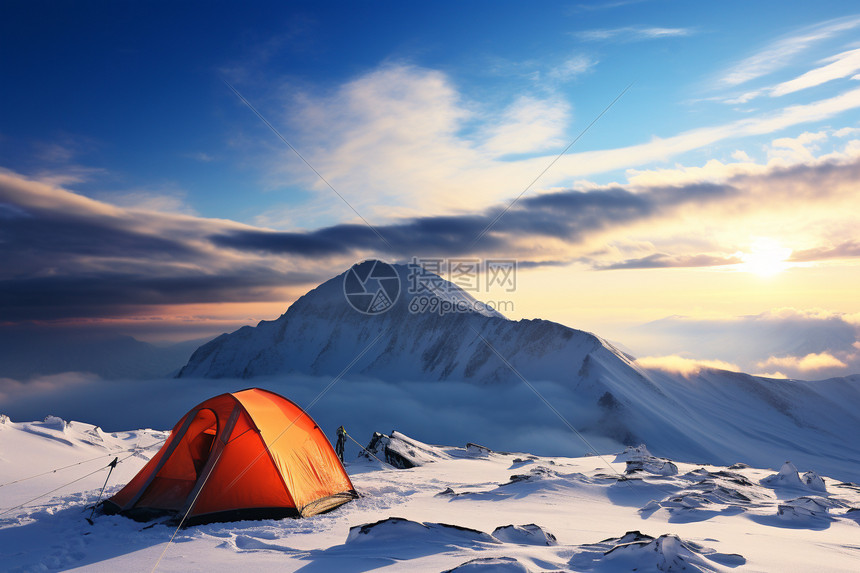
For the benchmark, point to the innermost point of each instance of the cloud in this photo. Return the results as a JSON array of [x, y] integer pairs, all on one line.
[[781, 52], [810, 363], [572, 67], [794, 343], [838, 66], [158, 201], [529, 125], [43, 386], [506, 418], [605, 5], [201, 156], [403, 141], [665, 261], [66, 255], [71, 256], [632, 33], [844, 250], [569, 216], [685, 366], [777, 375], [590, 162], [400, 131]]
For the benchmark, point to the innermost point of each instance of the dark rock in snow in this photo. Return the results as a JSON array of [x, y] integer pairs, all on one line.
[[478, 450], [536, 473], [405, 531], [401, 451], [491, 565], [530, 534], [655, 466], [635, 551]]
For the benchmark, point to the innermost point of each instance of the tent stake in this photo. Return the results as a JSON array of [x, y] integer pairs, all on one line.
[[111, 465]]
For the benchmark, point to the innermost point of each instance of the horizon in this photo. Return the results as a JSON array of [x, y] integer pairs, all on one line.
[[679, 178]]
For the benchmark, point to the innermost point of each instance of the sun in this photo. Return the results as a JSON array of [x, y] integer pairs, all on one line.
[[766, 258]]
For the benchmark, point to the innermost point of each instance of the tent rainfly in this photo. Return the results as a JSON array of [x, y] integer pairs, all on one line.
[[245, 455]]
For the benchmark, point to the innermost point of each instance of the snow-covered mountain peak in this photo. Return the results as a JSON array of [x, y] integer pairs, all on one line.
[[374, 287], [401, 322]]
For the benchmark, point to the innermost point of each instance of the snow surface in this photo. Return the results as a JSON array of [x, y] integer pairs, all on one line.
[[460, 509]]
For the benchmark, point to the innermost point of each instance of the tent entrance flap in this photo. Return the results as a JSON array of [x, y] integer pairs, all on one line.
[[179, 474], [200, 446]]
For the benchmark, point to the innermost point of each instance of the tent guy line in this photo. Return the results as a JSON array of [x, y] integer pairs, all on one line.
[[184, 517], [134, 451]]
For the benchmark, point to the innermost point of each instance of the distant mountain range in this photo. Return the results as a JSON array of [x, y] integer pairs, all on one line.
[[704, 416], [30, 352]]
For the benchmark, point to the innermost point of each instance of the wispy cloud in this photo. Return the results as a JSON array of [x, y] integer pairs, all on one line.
[[786, 342], [201, 156], [164, 200], [529, 125], [845, 250], [632, 33], [402, 140], [667, 261], [838, 66], [780, 53], [812, 362], [599, 6], [572, 67], [547, 73], [685, 366]]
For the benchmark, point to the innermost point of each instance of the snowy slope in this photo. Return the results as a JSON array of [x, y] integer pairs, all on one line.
[[33, 448], [461, 509]]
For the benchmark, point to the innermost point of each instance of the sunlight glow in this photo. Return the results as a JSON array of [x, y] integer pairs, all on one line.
[[766, 258]]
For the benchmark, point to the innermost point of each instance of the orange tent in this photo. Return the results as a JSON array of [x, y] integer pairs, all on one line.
[[246, 455]]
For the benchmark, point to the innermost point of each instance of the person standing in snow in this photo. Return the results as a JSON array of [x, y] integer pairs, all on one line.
[[341, 442]]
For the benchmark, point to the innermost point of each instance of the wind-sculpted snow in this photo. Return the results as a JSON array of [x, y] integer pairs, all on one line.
[[789, 477], [635, 551]]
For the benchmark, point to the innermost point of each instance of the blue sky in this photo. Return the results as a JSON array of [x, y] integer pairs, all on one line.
[[133, 92], [728, 166]]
